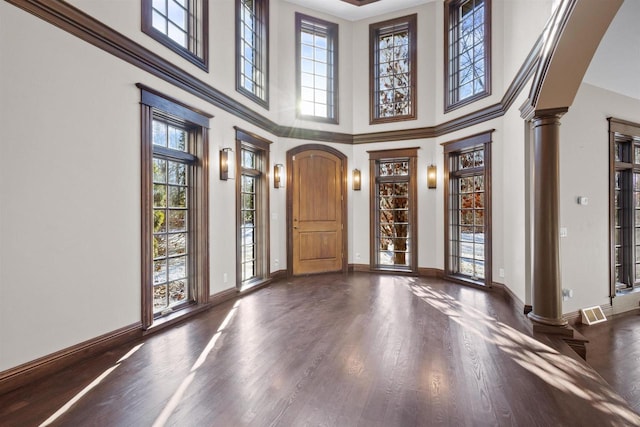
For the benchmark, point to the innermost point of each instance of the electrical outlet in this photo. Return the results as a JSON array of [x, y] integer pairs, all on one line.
[[563, 232], [501, 272], [225, 278]]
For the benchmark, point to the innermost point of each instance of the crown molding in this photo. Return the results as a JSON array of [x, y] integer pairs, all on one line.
[[87, 28]]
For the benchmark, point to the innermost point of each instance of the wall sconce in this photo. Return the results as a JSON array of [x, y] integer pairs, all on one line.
[[356, 179], [278, 176], [432, 176], [227, 164]]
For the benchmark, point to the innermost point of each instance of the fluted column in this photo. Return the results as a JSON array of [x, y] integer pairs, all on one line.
[[546, 283]]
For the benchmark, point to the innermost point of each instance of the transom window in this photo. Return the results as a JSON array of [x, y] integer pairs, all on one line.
[[625, 205], [174, 206], [317, 68], [252, 209], [252, 49], [393, 68], [467, 37], [393, 209], [181, 25], [468, 203]]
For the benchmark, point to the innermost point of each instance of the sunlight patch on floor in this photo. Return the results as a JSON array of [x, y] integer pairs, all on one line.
[[176, 398], [557, 370], [88, 388]]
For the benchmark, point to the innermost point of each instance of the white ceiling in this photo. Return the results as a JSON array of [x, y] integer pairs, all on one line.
[[351, 12], [616, 64]]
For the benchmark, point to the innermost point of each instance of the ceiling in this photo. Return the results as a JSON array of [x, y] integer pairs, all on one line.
[[350, 12], [616, 64]]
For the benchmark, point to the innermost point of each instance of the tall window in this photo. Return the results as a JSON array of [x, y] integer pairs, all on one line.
[[394, 201], [317, 68], [252, 209], [174, 206], [393, 65], [180, 25], [625, 205], [468, 52], [252, 45], [468, 208]]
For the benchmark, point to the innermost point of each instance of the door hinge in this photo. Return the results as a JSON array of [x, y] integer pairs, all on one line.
[[341, 226]]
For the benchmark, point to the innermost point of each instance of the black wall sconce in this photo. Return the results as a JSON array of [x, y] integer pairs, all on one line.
[[432, 176], [278, 176], [356, 182], [227, 164]]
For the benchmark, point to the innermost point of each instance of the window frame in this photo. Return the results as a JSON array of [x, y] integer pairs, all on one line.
[[452, 99], [454, 148], [201, 39], [628, 133], [261, 8], [257, 144], [374, 34], [156, 105], [332, 33], [375, 157]]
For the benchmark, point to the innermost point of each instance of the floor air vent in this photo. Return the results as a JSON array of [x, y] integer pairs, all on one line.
[[592, 315]]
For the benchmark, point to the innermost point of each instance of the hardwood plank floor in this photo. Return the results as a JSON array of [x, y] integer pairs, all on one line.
[[332, 350], [614, 352]]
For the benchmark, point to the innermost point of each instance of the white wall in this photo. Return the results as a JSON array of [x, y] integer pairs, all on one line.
[[69, 179], [70, 186], [584, 166]]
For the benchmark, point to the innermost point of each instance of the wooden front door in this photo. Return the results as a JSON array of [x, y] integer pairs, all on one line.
[[316, 216]]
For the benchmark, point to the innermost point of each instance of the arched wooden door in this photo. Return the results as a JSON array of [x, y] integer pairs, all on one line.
[[316, 210]]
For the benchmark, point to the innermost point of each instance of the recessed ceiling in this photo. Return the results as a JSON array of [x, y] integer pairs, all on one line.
[[360, 2], [345, 9]]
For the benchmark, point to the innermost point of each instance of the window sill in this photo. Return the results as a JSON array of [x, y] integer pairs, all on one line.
[[178, 316], [627, 291], [393, 270], [465, 280], [254, 285]]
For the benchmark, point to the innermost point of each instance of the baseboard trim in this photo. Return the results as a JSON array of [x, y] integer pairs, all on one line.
[[26, 373], [431, 272], [516, 303], [279, 275], [17, 377], [360, 268], [223, 296]]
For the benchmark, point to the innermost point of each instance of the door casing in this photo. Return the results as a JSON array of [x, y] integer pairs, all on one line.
[[290, 192]]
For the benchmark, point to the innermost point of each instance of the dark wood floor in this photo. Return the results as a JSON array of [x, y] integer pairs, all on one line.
[[614, 352], [332, 350]]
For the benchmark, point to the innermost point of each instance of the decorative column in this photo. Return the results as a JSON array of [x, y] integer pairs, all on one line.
[[546, 283]]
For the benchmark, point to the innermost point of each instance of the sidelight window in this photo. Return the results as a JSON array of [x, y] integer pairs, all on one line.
[[252, 210], [625, 205], [394, 201], [172, 170], [174, 207], [468, 203]]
